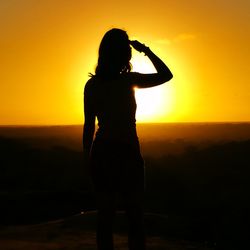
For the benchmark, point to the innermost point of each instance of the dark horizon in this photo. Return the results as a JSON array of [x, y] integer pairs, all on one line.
[[197, 175]]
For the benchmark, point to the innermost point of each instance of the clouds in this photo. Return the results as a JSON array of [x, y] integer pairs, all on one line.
[[182, 37]]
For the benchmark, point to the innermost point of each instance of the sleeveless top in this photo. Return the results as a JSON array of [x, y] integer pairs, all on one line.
[[113, 102]]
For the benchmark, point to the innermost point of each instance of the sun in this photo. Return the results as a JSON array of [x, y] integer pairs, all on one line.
[[153, 104]]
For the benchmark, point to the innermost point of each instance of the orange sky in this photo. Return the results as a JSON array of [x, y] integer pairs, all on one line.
[[49, 46]]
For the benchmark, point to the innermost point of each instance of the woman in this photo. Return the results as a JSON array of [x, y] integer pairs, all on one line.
[[116, 164]]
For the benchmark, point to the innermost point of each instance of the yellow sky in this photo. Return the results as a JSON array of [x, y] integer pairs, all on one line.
[[49, 46]]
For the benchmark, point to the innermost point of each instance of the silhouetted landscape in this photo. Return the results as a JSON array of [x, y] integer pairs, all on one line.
[[197, 180]]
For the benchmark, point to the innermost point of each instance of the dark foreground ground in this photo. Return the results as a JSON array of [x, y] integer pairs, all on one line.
[[197, 189], [78, 233]]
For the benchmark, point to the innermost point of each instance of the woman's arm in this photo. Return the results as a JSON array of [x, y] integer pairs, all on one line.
[[150, 80], [89, 121]]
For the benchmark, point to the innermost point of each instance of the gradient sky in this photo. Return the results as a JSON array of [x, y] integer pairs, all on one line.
[[49, 46]]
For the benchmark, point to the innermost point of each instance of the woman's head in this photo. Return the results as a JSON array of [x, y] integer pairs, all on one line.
[[114, 54]]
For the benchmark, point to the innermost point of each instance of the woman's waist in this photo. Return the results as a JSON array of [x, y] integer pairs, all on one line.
[[126, 138], [116, 146], [117, 132], [117, 136]]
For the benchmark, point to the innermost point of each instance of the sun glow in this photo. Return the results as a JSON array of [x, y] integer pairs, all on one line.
[[153, 104]]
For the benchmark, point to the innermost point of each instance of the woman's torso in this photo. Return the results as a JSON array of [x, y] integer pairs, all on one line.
[[114, 104]]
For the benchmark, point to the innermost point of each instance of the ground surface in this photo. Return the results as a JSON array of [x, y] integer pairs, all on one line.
[[78, 233]]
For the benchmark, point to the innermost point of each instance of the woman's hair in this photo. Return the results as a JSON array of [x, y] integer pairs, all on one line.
[[114, 54]]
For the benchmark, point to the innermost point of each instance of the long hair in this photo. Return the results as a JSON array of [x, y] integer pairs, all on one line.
[[114, 54]]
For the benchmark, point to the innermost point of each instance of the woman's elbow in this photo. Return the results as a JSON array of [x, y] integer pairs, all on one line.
[[170, 76], [167, 77]]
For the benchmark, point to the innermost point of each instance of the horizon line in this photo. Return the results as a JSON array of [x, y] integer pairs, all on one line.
[[138, 123]]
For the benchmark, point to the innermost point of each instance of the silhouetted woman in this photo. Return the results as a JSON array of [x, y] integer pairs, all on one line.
[[116, 164]]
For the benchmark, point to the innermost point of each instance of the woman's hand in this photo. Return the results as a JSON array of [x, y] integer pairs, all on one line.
[[139, 46]]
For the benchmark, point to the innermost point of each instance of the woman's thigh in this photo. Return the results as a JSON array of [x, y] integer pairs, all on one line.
[[117, 167]]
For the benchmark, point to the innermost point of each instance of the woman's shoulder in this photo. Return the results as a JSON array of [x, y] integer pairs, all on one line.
[[92, 82], [90, 86], [131, 77], [96, 82]]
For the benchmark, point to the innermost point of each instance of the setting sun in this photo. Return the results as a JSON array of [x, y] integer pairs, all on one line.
[[153, 104]]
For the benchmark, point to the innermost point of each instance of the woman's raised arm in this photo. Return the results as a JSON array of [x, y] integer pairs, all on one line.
[[150, 80]]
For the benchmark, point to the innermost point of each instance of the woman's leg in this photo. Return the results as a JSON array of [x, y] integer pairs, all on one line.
[[105, 216], [101, 172], [134, 210]]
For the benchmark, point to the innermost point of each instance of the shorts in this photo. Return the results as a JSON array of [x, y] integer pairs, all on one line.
[[117, 167]]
